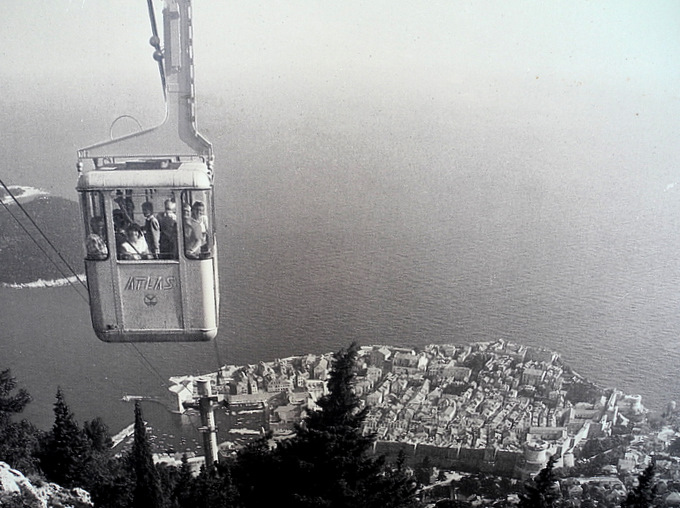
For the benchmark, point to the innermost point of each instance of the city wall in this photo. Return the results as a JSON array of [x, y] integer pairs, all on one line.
[[473, 460]]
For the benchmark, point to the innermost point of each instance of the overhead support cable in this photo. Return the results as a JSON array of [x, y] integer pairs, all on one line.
[[66, 276], [155, 41], [149, 365], [145, 361]]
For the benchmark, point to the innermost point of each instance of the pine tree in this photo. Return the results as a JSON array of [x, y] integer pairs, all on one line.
[[11, 404], [541, 492], [75, 457], [423, 472], [259, 475], [115, 486], [65, 448], [184, 480], [147, 491], [98, 435], [327, 463], [18, 440], [395, 487], [642, 496], [329, 449], [213, 488], [104, 476]]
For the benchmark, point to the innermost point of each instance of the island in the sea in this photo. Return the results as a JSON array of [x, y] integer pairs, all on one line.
[[493, 407], [32, 257]]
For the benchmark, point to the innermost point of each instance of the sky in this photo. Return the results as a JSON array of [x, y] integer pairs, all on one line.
[[573, 62], [388, 43]]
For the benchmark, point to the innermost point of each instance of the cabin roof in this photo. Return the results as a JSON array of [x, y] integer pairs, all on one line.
[[184, 175]]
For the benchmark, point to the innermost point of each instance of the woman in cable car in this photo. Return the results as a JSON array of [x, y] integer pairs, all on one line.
[[151, 275]]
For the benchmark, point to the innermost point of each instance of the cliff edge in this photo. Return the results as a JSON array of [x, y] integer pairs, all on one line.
[[17, 490]]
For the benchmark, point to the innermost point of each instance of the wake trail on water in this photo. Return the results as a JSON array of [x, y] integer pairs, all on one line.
[[41, 283], [25, 193]]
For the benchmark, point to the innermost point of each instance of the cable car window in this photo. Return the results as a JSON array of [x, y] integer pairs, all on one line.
[[145, 224], [197, 221], [96, 239]]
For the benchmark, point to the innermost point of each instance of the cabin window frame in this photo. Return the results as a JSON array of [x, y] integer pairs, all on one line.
[[97, 245]]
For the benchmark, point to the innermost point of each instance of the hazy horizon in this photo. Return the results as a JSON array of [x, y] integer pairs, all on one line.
[[606, 71], [386, 170]]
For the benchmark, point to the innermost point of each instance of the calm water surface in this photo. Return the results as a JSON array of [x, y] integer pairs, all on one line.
[[445, 228]]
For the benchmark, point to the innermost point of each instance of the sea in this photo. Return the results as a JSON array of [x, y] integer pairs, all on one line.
[[439, 221]]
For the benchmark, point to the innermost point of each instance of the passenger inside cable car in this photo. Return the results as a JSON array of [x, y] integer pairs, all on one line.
[[137, 294], [152, 276], [167, 222], [196, 231], [152, 229], [134, 248], [149, 237], [95, 243]]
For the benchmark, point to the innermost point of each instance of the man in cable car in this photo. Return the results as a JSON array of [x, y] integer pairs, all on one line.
[[167, 222], [152, 229], [192, 232], [198, 214]]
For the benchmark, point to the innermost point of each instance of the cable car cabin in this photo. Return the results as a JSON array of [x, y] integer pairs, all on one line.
[[150, 251]]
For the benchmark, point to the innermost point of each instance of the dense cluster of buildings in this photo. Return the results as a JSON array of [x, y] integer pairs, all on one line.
[[495, 407]]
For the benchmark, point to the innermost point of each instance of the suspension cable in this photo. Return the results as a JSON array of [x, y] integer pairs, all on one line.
[[145, 361], [156, 43], [49, 242], [42, 249], [149, 364]]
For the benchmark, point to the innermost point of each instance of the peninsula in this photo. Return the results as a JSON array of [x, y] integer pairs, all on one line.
[[494, 407]]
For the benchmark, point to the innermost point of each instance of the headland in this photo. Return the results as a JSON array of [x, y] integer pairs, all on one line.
[[495, 407]]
